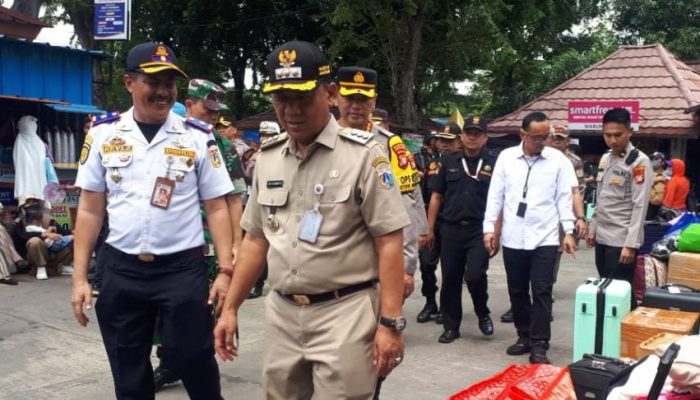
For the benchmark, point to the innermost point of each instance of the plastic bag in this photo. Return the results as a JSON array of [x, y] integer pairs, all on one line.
[[664, 247], [689, 241], [683, 222]]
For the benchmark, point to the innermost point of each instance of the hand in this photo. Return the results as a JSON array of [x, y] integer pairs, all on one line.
[[388, 347], [51, 229], [582, 228], [217, 293], [491, 243], [627, 255], [81, 296], [423, 241], [428, 241], [409, 284], [224, 341], [590, 241], [570, 244]]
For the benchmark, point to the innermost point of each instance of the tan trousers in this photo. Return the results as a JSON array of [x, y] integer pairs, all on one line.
[[39, 255], [7, 246], [321, 351]]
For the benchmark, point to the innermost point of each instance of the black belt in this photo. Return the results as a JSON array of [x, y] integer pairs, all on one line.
[[308, 299], [152, 258], [466, 222]]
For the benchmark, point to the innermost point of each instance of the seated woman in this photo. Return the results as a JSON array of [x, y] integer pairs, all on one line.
[[38, 241]]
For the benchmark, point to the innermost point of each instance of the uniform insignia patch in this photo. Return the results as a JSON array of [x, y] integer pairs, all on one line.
[[199, 124], [334, 174], [400, 150], [180, 152], [85, 150], [386, 177], [638, 173], [102, 119], [379, 160], [616, 180]]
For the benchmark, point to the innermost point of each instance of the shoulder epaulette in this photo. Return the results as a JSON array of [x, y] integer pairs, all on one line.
[[384, 131], [199, 124], [104, 118], [356, 135], [274, 141]]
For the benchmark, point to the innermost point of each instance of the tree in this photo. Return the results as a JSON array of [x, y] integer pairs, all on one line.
[[673, 23]]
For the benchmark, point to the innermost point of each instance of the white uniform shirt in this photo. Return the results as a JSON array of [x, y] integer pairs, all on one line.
[[548, 198], [135, 226]]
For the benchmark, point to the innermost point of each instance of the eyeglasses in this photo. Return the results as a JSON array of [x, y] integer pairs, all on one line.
[[536, 139]]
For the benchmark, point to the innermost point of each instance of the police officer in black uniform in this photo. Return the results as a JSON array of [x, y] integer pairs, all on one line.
[[462, 185]]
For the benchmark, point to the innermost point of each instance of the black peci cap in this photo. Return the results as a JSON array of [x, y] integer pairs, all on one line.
[[296, 65], [151, 58]]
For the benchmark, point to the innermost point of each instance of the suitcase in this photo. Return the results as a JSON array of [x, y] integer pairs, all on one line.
[[649, 272], [644, 323], [672, 297], [684, 269], [593, 375], [653, 232], [600, 306]]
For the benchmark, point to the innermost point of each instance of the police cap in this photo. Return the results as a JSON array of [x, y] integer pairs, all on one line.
[[357, 80], [475, 122], [296, 65], [151, 58], [449, 131]]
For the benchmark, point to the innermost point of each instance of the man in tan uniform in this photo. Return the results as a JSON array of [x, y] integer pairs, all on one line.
[[624, 182], [327, 213], [356, 102]]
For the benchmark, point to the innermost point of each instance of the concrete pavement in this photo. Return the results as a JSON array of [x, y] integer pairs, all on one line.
[[45, 354]]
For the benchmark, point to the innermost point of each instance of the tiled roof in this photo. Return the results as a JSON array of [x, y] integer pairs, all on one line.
[[7, 14], [664, 86]]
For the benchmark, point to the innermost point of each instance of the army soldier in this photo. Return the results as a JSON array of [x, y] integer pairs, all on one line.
[[327, 213], [462, 186], [153, 260], [624, 182], [358, 97]]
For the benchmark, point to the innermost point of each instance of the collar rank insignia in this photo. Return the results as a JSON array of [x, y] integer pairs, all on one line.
[[199, 124], [356, 135], [273, 141], [103, 119]]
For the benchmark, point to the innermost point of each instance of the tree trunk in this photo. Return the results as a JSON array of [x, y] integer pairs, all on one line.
[[29, 7]]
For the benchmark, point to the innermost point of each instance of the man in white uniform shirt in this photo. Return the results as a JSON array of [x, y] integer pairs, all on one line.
[[530, 186]]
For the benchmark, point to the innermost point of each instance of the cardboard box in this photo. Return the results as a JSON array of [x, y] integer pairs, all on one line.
[[649, 346], [684, 269], [644, 323]]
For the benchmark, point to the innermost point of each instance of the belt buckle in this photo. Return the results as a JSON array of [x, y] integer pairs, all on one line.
[[301, 299], [146, 258]]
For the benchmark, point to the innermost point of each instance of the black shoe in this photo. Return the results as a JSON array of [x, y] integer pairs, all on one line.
[[507, 316], [22, 266], [448, 336], [486, 325], [255, 293], [427, 313], [522, 346], [439, 318], [538, 354], [162, 377]]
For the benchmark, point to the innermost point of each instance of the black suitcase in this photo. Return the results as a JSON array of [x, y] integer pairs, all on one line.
[[672, 297], [593, 375]]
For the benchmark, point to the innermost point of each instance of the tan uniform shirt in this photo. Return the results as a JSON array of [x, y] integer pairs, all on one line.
[[360, 201], [578, 169], [623, 199]]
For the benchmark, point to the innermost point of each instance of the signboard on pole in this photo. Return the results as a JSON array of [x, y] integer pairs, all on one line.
[[112, 19], [588, 115]]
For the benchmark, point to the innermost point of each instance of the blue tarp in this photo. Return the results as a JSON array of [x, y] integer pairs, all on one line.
[[77, 108]]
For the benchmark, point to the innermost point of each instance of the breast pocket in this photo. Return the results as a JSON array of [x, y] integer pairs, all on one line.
[[275, 210], [335, 205], [120, 176]]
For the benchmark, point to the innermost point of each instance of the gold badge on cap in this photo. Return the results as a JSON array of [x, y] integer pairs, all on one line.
[[162, 53], [287, 58], [447, 129], [359, 77], [476, 120]]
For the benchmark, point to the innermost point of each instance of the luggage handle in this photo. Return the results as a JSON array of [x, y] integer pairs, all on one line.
[[665, 363]]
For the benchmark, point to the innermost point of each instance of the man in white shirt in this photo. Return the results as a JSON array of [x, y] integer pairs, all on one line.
[[530, 188]]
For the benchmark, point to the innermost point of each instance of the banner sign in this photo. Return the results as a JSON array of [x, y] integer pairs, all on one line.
[[588, 115], [64, 212], [112, 19]]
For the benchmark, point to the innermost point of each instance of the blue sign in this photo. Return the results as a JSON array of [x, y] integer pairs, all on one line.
[[112, 19]]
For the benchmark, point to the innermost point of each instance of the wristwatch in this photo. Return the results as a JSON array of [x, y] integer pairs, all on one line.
[[398, 324]]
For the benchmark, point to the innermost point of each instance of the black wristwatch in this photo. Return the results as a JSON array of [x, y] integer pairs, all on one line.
[[398, 324]]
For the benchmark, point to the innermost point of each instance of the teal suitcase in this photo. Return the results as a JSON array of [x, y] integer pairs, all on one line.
[[601, 304]]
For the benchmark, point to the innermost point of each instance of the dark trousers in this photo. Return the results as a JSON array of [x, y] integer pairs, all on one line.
[[429, 259], [526, 270], [132, 293], [463, 257], [607, 262], [263, 277]]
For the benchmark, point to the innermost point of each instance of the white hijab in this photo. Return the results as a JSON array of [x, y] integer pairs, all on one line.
[[29, 155]]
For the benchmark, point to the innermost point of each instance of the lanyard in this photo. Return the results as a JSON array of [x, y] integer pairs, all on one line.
[[478, 169], [527, 178]]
